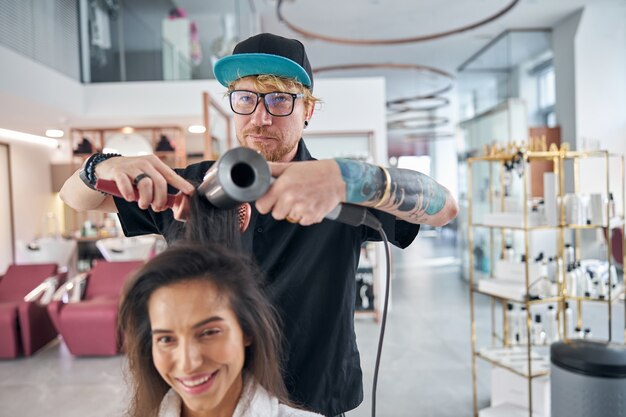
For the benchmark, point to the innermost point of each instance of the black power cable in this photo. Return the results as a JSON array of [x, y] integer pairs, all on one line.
[[383, 321], [355, 216]]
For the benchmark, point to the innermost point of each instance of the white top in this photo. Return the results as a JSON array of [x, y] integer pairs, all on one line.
[[255, 401]]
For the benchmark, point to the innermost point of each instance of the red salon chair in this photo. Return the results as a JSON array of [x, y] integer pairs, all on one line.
[[89, 326], [25, 326]]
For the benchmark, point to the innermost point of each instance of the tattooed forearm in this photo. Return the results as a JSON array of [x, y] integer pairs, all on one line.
[[416, 194], [412, 195], [364, 182]]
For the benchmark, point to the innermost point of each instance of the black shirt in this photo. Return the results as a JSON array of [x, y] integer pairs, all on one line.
[[311, 281]]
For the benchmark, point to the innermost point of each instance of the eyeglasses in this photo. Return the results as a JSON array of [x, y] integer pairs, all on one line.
[[279, 104]]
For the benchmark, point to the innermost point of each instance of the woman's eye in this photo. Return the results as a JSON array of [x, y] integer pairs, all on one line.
[[209, 332], [164, 340]]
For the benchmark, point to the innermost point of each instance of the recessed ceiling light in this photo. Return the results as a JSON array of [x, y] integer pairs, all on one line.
[[196, 129], [54, 133], [127, 130]]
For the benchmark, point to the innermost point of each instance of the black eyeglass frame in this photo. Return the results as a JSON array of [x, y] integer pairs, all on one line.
[[260, 96]]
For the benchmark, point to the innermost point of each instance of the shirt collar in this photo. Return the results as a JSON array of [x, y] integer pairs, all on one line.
[[302, 154]]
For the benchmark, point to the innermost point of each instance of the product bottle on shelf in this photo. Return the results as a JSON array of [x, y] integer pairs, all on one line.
[[611, 204], [571, 282], [578, 333], [521, 326], [512, 323], [509, 253], [538, 333], [595, 289], [569, 318], [586, 282], [613, 275], [543, 285], [551, 326], [569, 254], [587, 333], [554, 270], [602, 288]]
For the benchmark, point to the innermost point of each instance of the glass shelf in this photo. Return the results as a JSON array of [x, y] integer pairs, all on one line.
[[516, 299], [542, 227], [538, 155], [614, 298], [515, 359]]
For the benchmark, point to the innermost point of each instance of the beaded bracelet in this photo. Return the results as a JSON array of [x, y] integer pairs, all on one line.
[[88, 172], [387, 187]]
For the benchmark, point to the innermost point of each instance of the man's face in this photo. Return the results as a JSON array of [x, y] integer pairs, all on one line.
[[276, 138]]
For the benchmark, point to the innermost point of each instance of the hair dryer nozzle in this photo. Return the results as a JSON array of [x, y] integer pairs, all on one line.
[[240, 175]]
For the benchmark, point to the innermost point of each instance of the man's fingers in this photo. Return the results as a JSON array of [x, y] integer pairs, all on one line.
[[173, 178], [277, 168], [146, 193], [125, 186], [181, 207], [267, 202]]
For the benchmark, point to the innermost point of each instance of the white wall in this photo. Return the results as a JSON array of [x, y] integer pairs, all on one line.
[[590, 67], [563, 36], [146, 100], [601, 75], [30, 183], [601, 86], [352, 105], [6, 236], [29, 80]]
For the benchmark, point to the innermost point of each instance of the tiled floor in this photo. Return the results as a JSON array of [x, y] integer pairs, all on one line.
[[425, 368]]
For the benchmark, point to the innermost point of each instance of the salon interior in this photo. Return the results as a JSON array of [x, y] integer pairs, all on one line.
[[518, 107]]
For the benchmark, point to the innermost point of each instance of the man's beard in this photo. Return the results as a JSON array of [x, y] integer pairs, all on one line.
[[269, 150]]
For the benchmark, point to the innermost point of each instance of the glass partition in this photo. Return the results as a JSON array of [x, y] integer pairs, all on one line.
[[144, 40]]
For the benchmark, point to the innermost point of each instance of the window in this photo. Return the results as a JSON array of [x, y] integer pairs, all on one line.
[[546, 93], [547, 96]]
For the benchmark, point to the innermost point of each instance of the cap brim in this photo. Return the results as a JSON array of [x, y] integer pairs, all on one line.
[[233, 67]]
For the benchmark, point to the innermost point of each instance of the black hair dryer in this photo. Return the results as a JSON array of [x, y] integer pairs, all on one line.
[[241, 175]]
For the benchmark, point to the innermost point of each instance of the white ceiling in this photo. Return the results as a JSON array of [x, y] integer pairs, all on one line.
[[387, 19]]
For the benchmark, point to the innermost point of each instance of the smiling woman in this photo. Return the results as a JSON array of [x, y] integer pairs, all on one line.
[[201, 338]]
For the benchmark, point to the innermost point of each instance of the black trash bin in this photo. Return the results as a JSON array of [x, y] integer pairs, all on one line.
[[588, 379]]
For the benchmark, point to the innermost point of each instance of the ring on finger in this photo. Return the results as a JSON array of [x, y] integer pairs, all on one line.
[[291, 219], [139, 178]]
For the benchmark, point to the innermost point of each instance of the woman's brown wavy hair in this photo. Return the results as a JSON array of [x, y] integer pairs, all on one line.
[[208, 253]]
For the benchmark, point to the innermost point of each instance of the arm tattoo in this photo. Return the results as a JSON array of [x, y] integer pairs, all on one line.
[[416, 195], [364, 182]]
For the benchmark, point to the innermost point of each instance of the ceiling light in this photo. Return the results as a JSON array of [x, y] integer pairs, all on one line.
[[54, 133], [196, 129], [27, 137], [127, 130]]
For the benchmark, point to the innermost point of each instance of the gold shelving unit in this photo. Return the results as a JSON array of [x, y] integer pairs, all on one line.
[[535, 365]]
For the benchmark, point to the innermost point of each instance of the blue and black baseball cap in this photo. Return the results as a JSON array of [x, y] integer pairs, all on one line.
[[266, 54]]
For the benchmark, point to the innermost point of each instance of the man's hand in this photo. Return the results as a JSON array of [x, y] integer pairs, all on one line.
[[152, 189], [123, 170], [303, 192]]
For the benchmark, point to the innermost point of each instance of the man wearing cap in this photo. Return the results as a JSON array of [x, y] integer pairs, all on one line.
[[311, 270]]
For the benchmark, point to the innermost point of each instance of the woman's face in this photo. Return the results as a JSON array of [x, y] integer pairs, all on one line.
[[198, 346]]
